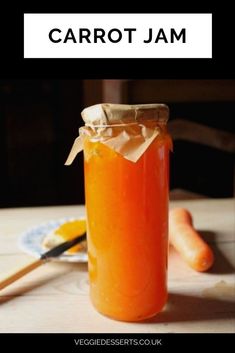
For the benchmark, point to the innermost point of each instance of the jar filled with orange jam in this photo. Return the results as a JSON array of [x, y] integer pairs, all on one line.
[[126, 164]]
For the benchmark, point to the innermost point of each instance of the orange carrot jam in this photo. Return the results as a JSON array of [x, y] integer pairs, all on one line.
[[127, 221]]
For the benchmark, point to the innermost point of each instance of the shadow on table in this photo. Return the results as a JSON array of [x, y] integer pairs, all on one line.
[[181, 308], [221, 265]]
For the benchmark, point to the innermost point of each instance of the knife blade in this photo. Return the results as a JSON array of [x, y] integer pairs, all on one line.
[[61, 248]]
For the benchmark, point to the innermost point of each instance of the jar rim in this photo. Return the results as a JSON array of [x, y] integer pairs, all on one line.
[[125, 124], [106, 114]]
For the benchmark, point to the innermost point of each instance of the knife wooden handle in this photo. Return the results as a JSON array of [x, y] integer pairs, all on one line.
[[12, 276]]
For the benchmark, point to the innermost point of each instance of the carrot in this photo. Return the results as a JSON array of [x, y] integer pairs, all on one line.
[[188, 242]]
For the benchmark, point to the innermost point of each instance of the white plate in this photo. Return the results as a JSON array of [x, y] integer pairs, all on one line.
[[31, 241]]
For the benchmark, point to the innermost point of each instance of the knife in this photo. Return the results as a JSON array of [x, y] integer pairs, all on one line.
[[16, 274]]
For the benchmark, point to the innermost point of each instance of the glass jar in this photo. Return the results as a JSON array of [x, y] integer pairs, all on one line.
[[127, 215]]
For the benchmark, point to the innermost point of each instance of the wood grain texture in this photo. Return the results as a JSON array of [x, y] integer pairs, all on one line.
[[54, 297]]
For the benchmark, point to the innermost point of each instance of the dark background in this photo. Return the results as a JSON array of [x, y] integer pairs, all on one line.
[[39, 120]]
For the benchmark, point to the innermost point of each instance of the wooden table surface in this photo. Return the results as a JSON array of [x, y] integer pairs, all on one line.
[[54, 297]]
